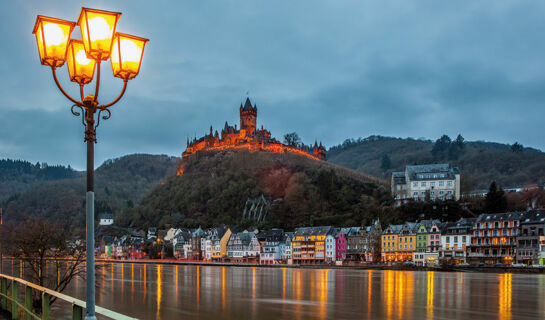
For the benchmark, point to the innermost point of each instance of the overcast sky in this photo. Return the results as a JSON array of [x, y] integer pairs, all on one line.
[[329, 70]]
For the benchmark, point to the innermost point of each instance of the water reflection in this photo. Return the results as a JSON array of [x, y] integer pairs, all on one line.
[[505, 296], [201, 292], [429, 303], [159, 293]]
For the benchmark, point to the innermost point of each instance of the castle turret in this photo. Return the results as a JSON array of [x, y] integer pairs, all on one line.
[[248, 117]]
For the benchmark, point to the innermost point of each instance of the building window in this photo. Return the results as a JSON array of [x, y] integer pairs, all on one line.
[[415, 184], [423, 184], [441, 183], [432, 184], [449, 183]]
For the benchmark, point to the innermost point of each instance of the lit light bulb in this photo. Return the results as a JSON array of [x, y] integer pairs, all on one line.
[[99, 28], [81, 58], [54, 35]]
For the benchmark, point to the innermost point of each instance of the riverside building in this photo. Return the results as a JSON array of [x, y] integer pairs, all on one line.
[[426, 182]]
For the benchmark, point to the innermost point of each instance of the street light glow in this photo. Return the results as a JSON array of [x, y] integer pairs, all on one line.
[[80, 68], [127, 54], [97, 31], [52, 37]]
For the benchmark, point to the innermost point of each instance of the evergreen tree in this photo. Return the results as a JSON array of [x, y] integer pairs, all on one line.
[[442, 144], [460, 141], [495, 201], [386, 163], [517, 147]]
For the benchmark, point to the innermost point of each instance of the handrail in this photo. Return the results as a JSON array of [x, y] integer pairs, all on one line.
[[74, 301]]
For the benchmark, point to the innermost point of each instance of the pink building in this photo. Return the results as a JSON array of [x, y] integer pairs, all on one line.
[[434, 237], [340, 246]]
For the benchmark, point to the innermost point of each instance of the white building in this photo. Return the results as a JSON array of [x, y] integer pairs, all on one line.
[[429, 181], [243, 245], [426, 259], [106, 219], [330, 244], [455, 239]]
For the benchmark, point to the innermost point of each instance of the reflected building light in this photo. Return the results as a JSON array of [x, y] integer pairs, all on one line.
[[176, 282], [505, 296], [369, 292], [159, 293], [284, 283], [389, 293], [145, 282], [429, 304], [323, 293], [122, 277], [223, 289], [198, 286]]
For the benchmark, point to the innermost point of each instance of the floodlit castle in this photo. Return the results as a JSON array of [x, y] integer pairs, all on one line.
[[249, 137]]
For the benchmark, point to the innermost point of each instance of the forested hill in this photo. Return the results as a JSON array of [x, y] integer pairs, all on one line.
[[216, 185], [480, 162], [17, 176], [119, 183]]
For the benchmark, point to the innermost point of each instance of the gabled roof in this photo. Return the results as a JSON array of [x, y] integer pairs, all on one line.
[[444, 168], [273, 235], [485, 217], [313, 231]]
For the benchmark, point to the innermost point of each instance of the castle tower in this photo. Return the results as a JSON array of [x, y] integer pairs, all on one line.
[[248, 117]]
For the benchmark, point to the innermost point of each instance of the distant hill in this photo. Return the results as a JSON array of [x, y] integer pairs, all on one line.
[[480, 162], [215, 186], [17, 176], [119, 183]]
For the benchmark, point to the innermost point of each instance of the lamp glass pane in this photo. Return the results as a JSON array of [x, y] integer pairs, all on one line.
[[126, 56], [97, 31], [80, 68], [52, 37]]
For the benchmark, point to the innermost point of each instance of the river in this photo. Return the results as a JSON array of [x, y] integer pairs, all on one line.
[[213, 292]]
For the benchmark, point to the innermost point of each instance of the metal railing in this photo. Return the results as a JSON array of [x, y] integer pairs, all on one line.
[[10, 302]]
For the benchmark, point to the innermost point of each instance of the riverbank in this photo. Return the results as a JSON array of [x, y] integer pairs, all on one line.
[[486, 269]]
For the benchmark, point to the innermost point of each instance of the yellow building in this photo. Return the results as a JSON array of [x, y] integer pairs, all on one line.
[[219, 246], [399, 242], [309, 244], [406, 244], [389, 243]]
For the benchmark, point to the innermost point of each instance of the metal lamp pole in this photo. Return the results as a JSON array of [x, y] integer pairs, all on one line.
[[100, 42]]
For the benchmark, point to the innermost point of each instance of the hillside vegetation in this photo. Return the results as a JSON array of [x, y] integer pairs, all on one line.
[[119, 183], [17, 176], [480, 162], [215, 186]]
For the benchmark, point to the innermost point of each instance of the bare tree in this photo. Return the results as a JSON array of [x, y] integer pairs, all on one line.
[[49, 258]]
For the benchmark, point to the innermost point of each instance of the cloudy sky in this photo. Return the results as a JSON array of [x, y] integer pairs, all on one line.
[[329, 70]]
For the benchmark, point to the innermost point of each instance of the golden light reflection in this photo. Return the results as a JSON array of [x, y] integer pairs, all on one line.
[[389, 292], [22, 268], [222, 288], [159, 287], [369, 292], [253, 292], [399, 293], [323, 293], [429, 304], [132, 282], [122, 278], [505, 296], [176, 281], [284, 283], [112, 274], [198, 285], [145, 281]]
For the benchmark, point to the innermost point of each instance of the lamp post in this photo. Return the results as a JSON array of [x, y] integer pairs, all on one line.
[[99, 42]]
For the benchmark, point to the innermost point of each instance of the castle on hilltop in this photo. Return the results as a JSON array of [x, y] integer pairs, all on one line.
[[249, 137]]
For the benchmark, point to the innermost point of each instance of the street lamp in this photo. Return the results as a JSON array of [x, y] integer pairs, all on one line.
[[99, 42]]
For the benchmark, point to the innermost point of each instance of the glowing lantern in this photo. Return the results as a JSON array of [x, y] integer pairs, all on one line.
[[52, 36], [80, 68], [97, 31], [126, 56]]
